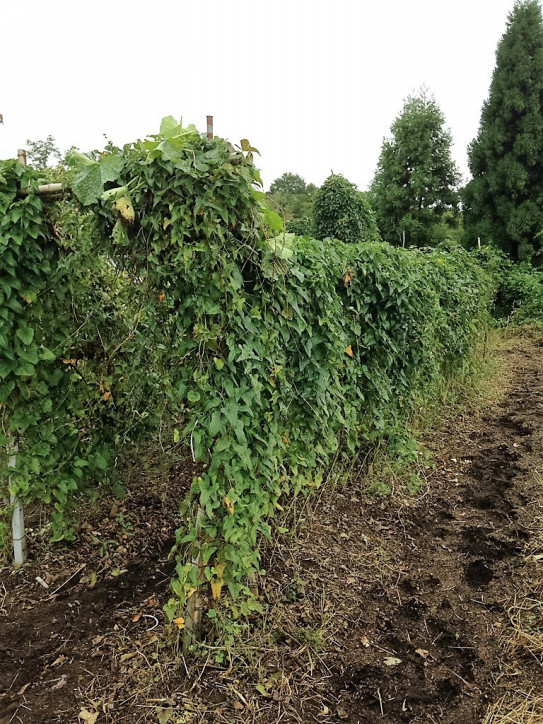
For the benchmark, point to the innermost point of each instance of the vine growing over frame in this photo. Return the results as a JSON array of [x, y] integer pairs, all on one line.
[[268, 355]]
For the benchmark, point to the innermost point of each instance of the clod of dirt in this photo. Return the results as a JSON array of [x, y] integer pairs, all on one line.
[[479, 574]]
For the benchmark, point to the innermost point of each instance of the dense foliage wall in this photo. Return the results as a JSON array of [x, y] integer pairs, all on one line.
[[43, 399], [273, 355], [67, 320], [519, 287]]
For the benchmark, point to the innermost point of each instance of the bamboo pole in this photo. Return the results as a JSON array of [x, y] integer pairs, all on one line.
[[44, 188]]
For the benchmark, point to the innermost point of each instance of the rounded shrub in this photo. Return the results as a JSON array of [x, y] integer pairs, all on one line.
[[301, 226], [341, 212]]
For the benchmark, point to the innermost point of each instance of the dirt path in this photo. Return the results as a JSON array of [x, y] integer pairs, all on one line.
[[444, 571], [378, 612]]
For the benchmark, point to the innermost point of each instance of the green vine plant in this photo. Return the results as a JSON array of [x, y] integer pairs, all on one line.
[[45, 403], [66, 322], [272, 354]]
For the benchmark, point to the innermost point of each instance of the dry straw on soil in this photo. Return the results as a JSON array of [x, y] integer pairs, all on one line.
[[520, 708]]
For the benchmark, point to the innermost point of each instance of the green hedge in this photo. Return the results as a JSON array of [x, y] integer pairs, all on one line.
[[67, 319], [268, 356], [519, 287], [335, 352]]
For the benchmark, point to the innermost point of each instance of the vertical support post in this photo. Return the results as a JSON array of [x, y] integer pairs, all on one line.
[[17, 520], [478, 242], [195, 604], [403, 238], [210, 126]]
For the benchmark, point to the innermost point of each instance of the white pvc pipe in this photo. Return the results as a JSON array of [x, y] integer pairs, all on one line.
[[18, 519], [43, 190]]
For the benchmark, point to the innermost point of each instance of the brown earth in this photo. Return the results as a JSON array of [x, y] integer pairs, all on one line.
[[379, 610]]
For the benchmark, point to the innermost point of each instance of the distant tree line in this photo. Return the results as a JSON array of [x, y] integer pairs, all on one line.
[[416, 197]]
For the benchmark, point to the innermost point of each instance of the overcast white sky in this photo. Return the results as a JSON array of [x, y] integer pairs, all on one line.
[[314, 84]]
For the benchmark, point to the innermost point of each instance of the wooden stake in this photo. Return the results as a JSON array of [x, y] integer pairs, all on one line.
[[478, 242], [252, 580], [195, 604]]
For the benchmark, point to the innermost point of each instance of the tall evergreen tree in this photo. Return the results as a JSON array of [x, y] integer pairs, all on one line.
[[504, 201], [414, 189]]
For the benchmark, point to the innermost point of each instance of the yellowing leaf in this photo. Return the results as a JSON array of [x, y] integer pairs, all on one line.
[[348, 278], [89, 717], [90, 579], [349, 351], [216, 586], [230, 505], [60, 660], [119, 571], [106, 395], [392, 661], [422, 652], [179, 622], [164, 715], [219, 569], [125, 208]]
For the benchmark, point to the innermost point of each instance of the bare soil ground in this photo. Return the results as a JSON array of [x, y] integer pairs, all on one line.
[[413, 609]]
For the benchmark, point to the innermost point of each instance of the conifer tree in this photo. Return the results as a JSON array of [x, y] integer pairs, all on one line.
[[414, 189], [504, 201]]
